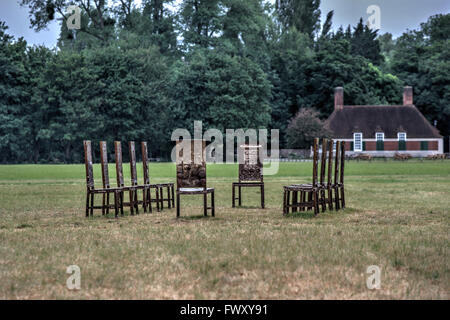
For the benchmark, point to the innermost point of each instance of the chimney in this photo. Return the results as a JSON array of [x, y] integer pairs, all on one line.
[[407, 96], [338, 98]]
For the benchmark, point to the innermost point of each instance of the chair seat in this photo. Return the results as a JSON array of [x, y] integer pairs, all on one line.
[[165, 184], [299, 187], [195, 190]]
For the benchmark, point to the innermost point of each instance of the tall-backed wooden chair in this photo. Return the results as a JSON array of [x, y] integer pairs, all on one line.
[[341, 180], [329, 185], [250, 173], [147, 186], [311, 189], [168, 186], [132, 190], [134, 180], [335, 185], [323, 165], [106, 190], [191, 174]]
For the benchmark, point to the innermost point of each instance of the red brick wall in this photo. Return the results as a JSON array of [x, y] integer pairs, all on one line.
[[433, 145], [393, 145], [390, 145], [371, 146], [413, 145]]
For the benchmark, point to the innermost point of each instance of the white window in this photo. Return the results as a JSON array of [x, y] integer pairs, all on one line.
[[357, 141], [379, 136], [401, 136]]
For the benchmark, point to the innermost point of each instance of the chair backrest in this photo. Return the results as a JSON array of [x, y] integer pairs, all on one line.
[[144, 152], [330, 162], [104, 164], [323, 162], [132, 150], [191, 174], [88, 164], [251, 168], [342, 161], [336, 162], [119, 166], [315, 161]]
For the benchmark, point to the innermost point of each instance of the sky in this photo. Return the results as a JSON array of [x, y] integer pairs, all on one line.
[[395, 16]]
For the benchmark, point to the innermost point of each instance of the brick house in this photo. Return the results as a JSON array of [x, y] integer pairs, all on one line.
[[384, 130]]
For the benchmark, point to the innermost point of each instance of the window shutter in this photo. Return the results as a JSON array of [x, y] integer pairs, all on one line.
[[351, 146], [424, 145], [363, 146], [380, 145], [402, 145]]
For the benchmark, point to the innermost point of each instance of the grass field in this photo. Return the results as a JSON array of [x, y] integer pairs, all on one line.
[[398, 218]]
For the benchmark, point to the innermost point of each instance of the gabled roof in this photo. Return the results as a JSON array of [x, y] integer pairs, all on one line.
[[346, 120]]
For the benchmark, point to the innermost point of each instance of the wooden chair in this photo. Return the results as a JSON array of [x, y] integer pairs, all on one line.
[[250, 173], [311, 189], [340, 185], [191, 176], [106, 190], [335, 185], [132, 190], [329, 186], [147, 186], [170, 187]]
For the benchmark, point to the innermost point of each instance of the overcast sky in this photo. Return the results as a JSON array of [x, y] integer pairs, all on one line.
[[396, 16]]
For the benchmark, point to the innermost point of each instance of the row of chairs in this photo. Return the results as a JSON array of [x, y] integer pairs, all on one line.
[[118, 192], [320, 193]]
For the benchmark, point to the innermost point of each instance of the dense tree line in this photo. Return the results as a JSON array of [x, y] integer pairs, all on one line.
[[138, 72]]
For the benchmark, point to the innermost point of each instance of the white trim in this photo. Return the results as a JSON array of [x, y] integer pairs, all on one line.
[[360, 141], [401, 133], [377, 133], [390, 139]]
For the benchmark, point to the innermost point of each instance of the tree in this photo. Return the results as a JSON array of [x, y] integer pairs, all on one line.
[[201, 22], [365, 44], [223, 91], [304, 127], [13, 81], [420, 59], [303, 15]]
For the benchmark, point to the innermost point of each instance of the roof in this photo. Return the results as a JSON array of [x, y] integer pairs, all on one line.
[[346, 120]]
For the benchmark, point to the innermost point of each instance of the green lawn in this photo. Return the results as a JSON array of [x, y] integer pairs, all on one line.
[[398, 218]]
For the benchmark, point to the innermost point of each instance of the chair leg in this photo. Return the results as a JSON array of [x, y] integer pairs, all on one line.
[[233, 196], [121, 202], [316, 202], [116, 204], [136, 201], [161, 197], [294, 201], [131, 202], [103, 204], [157, 199], [322, 200], [87, 204], [262, 196], [173, 196], [92, 204], [288, 201], [336, 198], [330, 199], [240, 196], [213, 208], [310, 199], [107, 203], [144, 199], [205, 204], [169, 204], [342, 197], [178, 205], [149, 200]]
